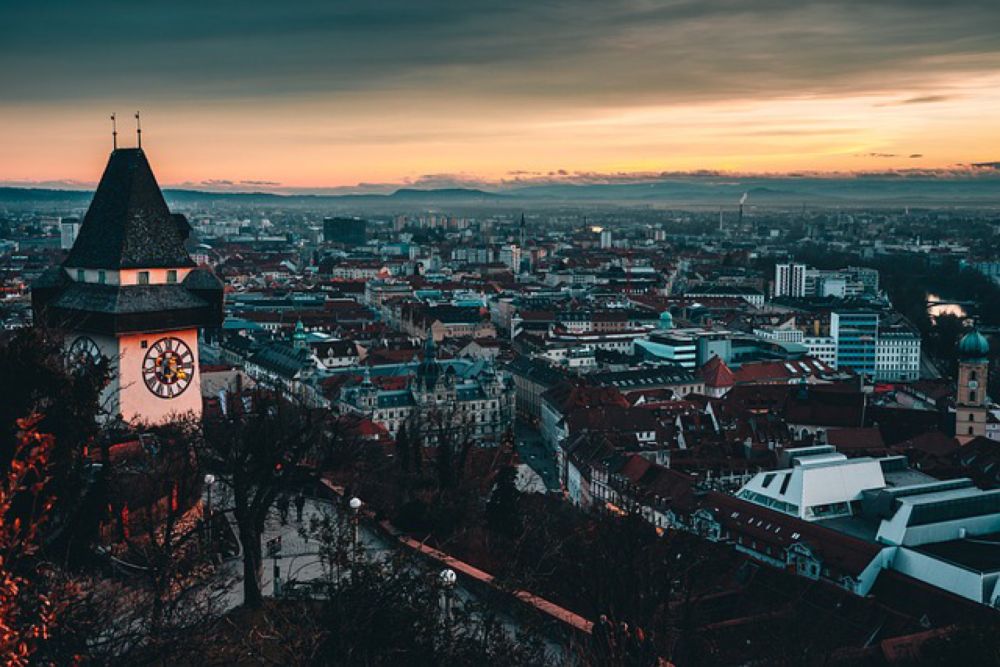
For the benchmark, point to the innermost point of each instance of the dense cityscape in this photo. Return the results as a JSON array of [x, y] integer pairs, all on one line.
[[568, 334], [592, 416]]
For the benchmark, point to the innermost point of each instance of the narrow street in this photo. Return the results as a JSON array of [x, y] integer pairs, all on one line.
[[533, 452]]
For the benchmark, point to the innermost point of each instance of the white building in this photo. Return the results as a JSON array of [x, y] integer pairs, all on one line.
[[790, 280], [897, 355], [68, 230], [823, 348], [889, 516], [780, 334]]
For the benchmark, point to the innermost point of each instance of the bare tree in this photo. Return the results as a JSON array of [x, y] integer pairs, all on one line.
[[261, 446], [163, 554]]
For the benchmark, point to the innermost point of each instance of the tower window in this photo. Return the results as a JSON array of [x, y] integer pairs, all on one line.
[[972, 418], [80, 275], [172, 276], [143, 278], [972, 375], [970, 430], [972, 396]]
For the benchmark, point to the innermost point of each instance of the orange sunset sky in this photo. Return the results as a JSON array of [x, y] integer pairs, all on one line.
[[328, 95]]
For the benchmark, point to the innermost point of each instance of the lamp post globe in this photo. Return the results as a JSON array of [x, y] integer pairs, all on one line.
[[209, 483], [447, 578], [355, 504]]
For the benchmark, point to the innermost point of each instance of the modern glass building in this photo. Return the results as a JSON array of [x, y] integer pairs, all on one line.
[[856, 335]]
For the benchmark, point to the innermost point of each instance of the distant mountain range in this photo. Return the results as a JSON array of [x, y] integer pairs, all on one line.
[[719, 191]]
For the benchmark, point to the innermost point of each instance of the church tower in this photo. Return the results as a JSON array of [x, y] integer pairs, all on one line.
[[128, 290], [971, 402]]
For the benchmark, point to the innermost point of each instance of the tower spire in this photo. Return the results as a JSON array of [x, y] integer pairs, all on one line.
[[114, 132], [138, 129]]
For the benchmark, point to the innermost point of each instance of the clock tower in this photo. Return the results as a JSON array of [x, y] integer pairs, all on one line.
[[971, 401], [128, 290]]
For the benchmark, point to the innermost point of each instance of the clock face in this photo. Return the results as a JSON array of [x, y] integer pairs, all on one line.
[[83, 352], [168, 367]]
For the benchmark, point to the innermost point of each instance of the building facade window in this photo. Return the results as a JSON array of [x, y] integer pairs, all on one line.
[[172, 276], [102, 277], [143, 278]]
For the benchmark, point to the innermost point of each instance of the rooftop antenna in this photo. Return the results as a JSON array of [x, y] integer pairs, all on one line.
[[114, 132], [138, 129]]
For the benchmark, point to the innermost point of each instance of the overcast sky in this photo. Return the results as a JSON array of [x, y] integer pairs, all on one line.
[[316, 94]]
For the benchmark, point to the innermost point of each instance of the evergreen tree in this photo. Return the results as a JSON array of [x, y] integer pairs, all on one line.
[[445, 465], [403, 447], [502, 512]]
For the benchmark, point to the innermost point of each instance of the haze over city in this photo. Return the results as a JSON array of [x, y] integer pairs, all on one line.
[[320, 96]]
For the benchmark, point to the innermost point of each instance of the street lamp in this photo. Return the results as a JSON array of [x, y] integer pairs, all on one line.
[[355, 505], [209, 483], [448, 579]]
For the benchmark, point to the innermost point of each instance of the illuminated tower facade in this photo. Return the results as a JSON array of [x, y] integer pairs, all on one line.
[[129, 291]]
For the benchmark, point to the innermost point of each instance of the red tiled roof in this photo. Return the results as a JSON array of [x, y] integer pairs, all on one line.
[[716, 373], [846, 439], [843, 552], [635, 467], [780, 370], [934, 443]]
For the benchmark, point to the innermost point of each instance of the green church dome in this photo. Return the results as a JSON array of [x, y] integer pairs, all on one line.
[[973, 346]]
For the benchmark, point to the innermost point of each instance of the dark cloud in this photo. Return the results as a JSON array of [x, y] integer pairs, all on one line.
[[891, 155], [926, 99], [987, 165], [592, 51], [918, 99]]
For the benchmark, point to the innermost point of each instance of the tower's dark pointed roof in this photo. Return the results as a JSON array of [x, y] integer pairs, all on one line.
[[128, 224]]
